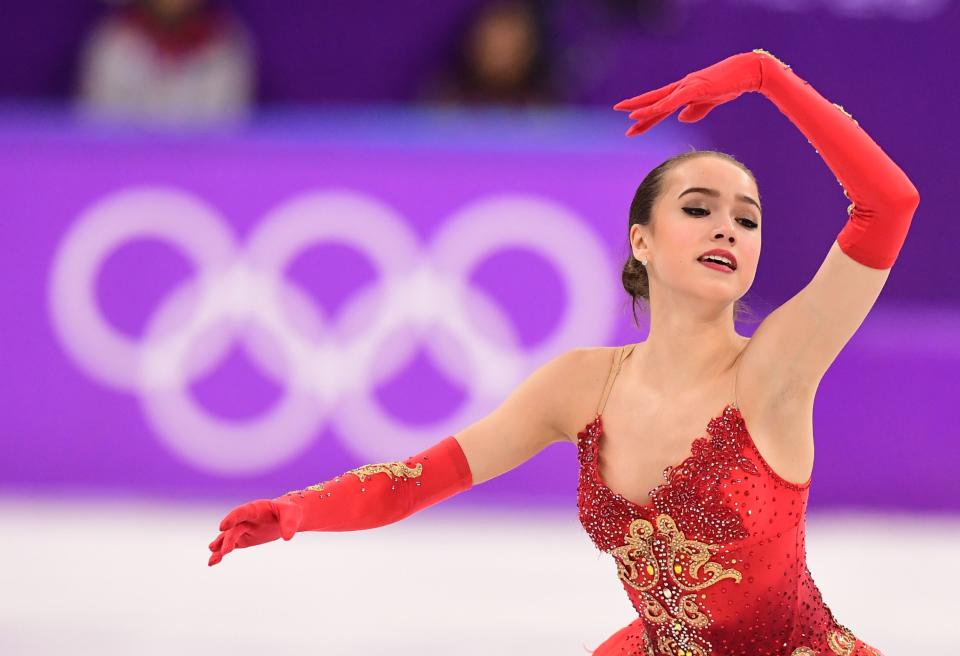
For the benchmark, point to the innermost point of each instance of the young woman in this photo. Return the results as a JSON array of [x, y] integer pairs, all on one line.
[[713, 556]]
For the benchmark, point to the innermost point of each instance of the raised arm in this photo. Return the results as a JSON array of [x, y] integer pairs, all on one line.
[[377, 494], [794, 345]]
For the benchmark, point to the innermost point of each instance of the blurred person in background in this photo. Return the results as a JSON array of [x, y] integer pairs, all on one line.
[[169, 61], [501, 58]]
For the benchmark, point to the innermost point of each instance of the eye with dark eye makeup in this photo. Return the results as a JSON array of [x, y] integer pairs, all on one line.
[[749, 222]]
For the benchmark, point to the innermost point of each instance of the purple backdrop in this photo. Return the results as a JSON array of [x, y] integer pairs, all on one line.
[[889, 62], [198, 314]]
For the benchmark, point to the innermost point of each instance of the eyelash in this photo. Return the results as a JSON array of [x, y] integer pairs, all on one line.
[[753, 224]]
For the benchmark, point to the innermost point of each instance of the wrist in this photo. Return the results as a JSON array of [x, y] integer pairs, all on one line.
[[772, 70]]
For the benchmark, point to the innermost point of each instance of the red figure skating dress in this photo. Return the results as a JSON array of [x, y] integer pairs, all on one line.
[[715, 564]]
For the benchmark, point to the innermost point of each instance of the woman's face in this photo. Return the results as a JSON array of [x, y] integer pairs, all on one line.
[[688, 223], [503, 45]]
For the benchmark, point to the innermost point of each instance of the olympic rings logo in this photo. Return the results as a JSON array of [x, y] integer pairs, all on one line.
[[239, 296]]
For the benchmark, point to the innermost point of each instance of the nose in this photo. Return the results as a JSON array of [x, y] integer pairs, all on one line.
[[726, 227]]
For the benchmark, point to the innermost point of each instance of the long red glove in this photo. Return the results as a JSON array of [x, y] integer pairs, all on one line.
[[884, 198], [366, 497]]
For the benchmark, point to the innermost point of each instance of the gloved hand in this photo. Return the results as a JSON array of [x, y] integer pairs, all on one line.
[[366, 497], [701, 91], [884, 198], [256, 522]]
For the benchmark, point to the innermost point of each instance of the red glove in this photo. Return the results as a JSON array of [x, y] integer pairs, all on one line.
[[366, 497], [884, 199]]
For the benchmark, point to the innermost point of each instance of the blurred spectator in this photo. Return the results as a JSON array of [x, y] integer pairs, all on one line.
[[168, 61], [502, 58]]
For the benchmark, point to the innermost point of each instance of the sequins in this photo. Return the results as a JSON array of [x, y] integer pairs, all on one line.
[[848, 114], [715, 563], [843, 643], [658, 561], [693, 491], [393, 470], [761, 51]]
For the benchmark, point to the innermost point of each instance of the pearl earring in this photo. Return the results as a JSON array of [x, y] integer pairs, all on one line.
[[643, 262]]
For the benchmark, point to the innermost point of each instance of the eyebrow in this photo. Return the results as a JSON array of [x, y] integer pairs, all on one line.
[[714, 192]]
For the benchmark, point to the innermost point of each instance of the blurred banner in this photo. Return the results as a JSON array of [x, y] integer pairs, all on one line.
[[254, 310]]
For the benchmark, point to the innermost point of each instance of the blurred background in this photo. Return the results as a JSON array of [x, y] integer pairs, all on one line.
[[248, 246]]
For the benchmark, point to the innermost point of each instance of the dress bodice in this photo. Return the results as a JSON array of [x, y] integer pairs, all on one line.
[[715, 563]]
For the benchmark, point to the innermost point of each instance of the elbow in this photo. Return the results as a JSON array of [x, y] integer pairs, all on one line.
[[906, 199]]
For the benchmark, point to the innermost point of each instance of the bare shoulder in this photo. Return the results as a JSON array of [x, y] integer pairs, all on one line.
[[580, 383], [550, 405]]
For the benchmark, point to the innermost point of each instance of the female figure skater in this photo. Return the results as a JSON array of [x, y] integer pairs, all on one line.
[[712, 557]]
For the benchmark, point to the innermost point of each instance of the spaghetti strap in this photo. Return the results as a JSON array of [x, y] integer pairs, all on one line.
[[618, 357], [736, 377]]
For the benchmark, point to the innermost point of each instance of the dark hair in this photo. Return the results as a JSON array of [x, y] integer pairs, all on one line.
[[463, 81], [634, 275]]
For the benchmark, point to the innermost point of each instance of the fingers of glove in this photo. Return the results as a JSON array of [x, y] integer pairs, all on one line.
[[218, 553], [238, 536], [695, 111], [667, 105], [232, 537], [247, 540], [215, 545], [215, 558], [229, 541], [254, 511], [645, 98], [643, 125]]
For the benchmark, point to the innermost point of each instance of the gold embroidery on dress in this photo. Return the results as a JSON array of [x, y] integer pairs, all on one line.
[[391, 469], [842, 641], [665, 604], [668, 645], [647, 645]]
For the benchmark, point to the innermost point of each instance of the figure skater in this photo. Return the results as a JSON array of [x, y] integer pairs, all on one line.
[[713, 555]]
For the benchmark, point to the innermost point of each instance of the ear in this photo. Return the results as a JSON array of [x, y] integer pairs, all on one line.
[[638, 236]]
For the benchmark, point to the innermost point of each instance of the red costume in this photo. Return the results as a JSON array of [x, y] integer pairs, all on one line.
[[715, 564]]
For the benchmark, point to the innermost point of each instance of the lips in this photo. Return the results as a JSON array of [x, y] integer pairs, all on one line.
[[722, 253]]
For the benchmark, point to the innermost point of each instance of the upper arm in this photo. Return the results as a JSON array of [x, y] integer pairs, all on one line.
[[531, 418], [794, 345]]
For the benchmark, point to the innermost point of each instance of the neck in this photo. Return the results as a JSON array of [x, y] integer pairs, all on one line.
[[686, 357]]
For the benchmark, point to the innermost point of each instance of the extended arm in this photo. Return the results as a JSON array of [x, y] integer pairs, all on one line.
[[366, 497], [383, 493]]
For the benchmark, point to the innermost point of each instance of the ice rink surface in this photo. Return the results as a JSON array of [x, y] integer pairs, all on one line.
[[115, 578]]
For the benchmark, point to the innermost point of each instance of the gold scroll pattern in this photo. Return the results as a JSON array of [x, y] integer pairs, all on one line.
[[841, 642], [393, 470], [672, 603]]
